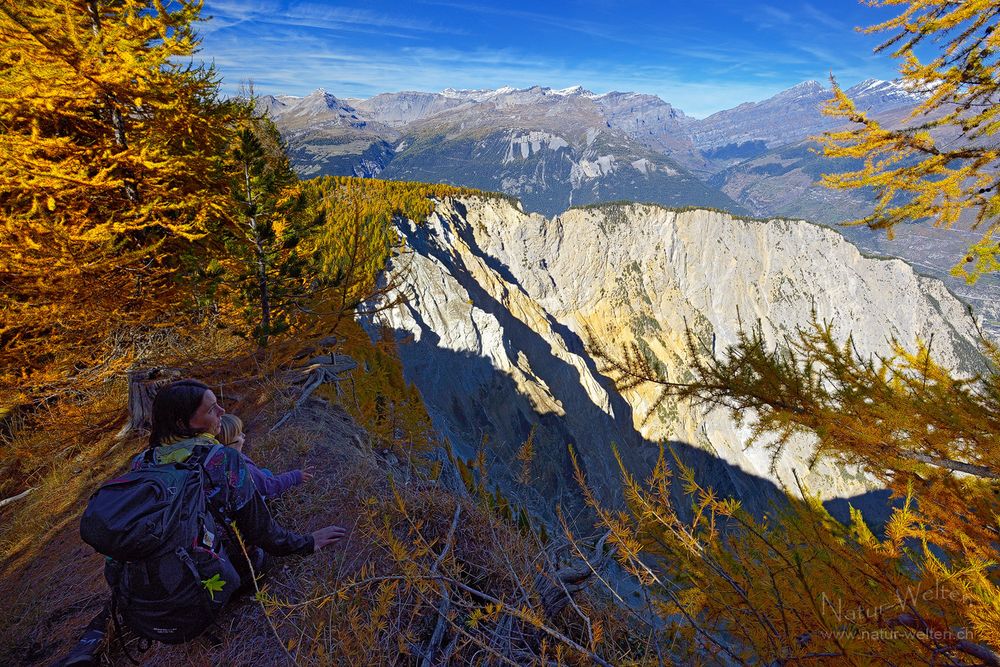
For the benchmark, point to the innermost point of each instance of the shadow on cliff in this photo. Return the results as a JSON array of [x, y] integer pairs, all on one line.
[[476, 405]]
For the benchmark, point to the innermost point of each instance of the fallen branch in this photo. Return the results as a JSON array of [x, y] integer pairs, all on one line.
[[517, 613], [511, 611], [957, 466], [7, 501], [443, 606], [448, 651], [318, 371], [571, 579], [978, 651], [306, 392]]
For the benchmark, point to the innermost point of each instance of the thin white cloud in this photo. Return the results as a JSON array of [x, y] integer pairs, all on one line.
[[352, 74], [767, 16], [559, 21], [318, 16], [288, 48], [223, 14], [817, 15]]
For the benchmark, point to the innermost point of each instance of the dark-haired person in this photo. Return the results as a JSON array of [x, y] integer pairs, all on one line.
[[187, 414], [185, 421]]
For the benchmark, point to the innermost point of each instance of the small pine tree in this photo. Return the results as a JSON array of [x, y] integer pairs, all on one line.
[[272, 218]]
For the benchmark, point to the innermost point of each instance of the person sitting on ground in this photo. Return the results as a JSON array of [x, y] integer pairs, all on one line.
[[185, 423], [268, 484], [186, 414]]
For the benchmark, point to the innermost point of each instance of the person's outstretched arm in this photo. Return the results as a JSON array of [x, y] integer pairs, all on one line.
[[268, 484], [258, 527], [278, 484], [261, 529], [252, 516]]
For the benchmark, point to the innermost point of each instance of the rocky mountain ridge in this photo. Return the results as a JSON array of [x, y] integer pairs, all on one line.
[[557, 148], [646, 149], [789, 117], [552, 149], [501, 303]]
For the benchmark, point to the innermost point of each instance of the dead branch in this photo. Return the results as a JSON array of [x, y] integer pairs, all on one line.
[[978, 651], [957, 466], [557, 588], [449, 650], [324, 369], [445, 604], [519, 614], [7, 501]]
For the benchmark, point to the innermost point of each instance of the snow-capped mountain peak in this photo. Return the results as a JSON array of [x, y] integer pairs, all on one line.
[[478, 95], [806, 89], [572, 90], [884, 92]]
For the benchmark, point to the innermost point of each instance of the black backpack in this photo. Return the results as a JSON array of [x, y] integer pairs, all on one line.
[[168, 570]]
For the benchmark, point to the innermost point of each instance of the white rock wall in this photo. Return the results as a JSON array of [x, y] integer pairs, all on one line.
[[499, 302]]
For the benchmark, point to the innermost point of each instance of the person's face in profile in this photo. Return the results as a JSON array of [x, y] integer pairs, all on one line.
[[206, 418]]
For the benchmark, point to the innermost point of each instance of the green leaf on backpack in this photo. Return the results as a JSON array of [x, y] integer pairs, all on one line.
[[213, 585]]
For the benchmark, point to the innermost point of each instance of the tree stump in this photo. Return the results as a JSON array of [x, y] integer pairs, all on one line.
[[317, 371], [143, 383]]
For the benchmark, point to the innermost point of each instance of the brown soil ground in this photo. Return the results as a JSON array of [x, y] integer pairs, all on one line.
[[52, 590]]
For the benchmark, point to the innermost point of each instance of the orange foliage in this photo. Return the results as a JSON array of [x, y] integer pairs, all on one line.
[[378, 396], [799, 585], [109, 178]]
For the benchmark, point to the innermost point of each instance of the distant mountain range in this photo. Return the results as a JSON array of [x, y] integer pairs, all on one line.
[[554, 149], [551, 148], [557, 148]]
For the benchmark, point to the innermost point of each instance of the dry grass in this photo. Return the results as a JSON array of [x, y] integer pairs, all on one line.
[[49, 579], [370, 600]]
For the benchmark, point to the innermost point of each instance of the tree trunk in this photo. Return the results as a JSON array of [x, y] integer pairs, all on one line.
[[114, 113], [262, 284], [265, 297], [118, 125]]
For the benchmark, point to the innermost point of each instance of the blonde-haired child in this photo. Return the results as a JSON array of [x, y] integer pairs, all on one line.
[[268, 484]]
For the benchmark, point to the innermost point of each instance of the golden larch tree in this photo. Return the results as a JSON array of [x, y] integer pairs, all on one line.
[[110, 175], [942, 160], [798, 585]]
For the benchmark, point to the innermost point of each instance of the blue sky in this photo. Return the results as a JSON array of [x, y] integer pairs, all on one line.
[[700, 57]]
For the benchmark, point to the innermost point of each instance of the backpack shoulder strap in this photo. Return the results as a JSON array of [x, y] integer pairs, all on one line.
[[145, 457], [200, 458], [207, 456]]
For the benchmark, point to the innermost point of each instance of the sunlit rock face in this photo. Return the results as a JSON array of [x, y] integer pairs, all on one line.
[[501, 304]]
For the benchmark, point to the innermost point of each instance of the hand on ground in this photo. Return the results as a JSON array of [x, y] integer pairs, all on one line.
[[324, 537], [308, 473]]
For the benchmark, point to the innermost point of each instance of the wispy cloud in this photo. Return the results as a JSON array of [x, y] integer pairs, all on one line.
[[321, 17], [702, 60], [352, 74], [559, 21], [824, 19], [772, 16]]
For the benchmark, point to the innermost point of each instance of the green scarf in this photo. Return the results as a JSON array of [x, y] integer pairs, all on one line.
[[177, 449]]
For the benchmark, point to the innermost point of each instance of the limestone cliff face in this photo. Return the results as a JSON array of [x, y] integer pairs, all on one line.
[[499, 304]]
